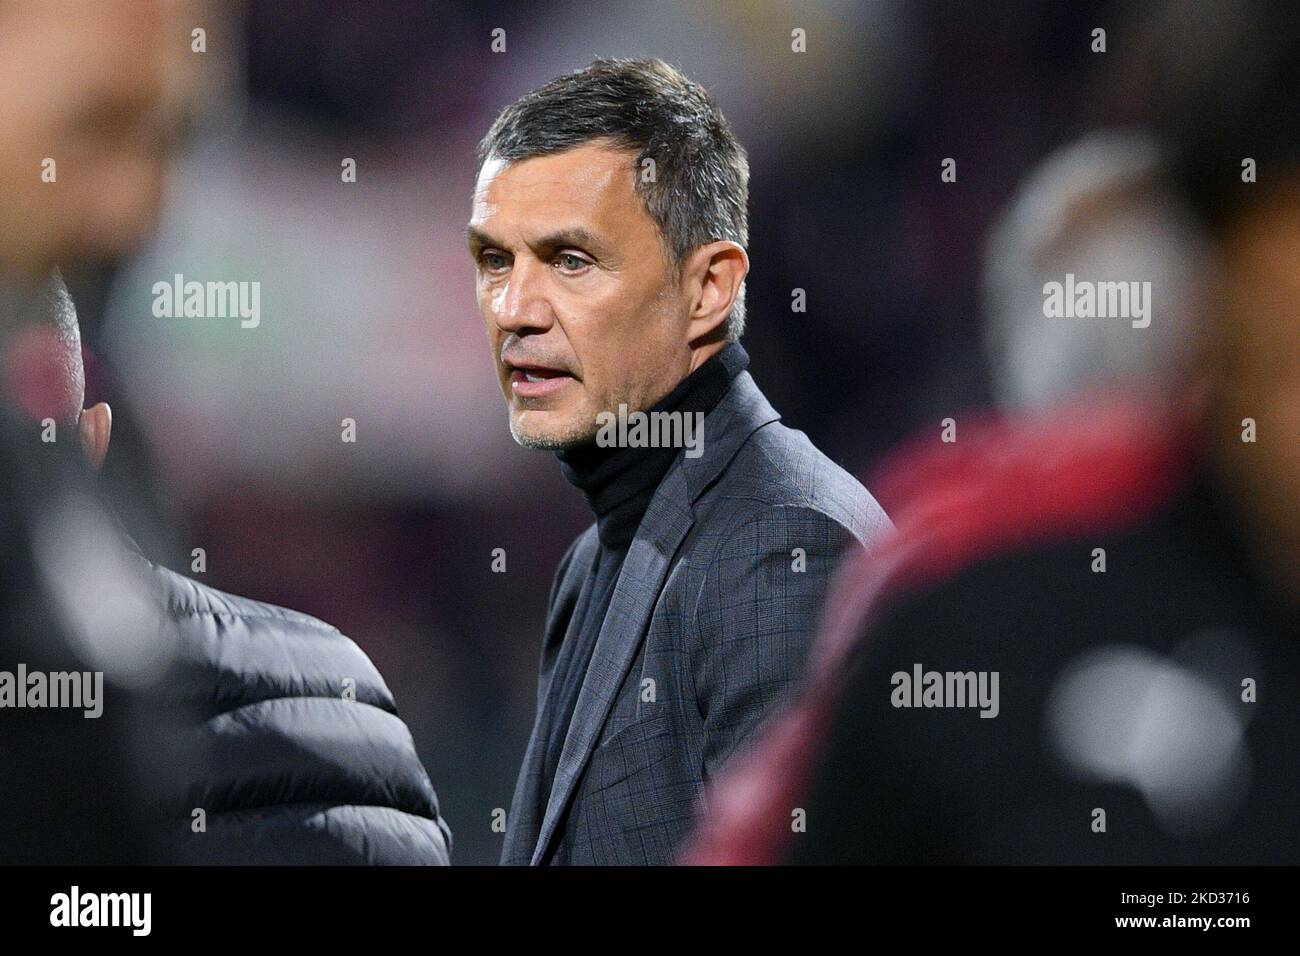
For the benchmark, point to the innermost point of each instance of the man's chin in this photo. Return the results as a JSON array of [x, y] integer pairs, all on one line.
[[560, 437]]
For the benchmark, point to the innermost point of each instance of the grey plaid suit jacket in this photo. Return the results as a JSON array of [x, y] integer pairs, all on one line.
[[708, 627]]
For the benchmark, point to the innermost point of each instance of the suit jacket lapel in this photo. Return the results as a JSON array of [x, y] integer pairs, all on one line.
[[524, 820], [667, 520], [526, 806]]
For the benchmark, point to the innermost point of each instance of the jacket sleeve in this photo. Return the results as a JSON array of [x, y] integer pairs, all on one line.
[[299, 755], [755, 617]]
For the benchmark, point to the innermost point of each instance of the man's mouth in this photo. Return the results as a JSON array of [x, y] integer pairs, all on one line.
[[535, 381]]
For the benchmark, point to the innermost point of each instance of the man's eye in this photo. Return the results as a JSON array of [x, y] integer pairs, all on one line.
[[492, 261], [571, 263]]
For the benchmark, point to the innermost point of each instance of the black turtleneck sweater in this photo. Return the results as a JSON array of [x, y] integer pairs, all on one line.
[[618, 484]]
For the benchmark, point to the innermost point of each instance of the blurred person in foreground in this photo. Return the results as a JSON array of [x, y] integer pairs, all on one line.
[[608, 231], [90, 101], [1081, 645], [143, 717], [288, 748]]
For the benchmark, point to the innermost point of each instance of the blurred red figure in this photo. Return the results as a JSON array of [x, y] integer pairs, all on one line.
[[1128, 569]]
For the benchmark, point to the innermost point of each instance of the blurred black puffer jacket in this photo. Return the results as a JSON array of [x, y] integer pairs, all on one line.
[[293, 748]]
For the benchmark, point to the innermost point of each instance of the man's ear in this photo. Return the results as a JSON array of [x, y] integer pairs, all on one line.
[[94, 426], [716, 271]]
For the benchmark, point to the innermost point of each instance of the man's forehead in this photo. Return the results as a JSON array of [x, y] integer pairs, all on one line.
[[597, 180]]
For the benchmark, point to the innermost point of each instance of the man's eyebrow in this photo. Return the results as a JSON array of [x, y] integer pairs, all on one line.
[[475, 237], [578, 236], [571, 236]]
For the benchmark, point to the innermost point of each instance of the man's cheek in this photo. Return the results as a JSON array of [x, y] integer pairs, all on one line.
[[593, 395]]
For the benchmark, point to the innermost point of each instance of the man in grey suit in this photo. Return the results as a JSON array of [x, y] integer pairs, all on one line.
[[608, 231]]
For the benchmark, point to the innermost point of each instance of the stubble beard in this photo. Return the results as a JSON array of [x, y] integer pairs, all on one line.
[[579, 433]]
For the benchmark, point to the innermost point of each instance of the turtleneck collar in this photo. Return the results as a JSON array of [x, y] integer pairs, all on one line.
[[619, 482]]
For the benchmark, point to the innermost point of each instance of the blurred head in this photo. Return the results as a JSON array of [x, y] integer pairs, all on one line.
[[92, 88], [44, 375], [608, 232], [1253, 361], [1226, 93], [1096, 208]]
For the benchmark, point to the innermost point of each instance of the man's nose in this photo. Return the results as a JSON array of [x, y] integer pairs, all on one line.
[[522, 302]]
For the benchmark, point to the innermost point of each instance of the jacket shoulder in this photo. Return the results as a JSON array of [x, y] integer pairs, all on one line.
[[301, 756], [779, 468], [1015, 485], [241, 651]]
